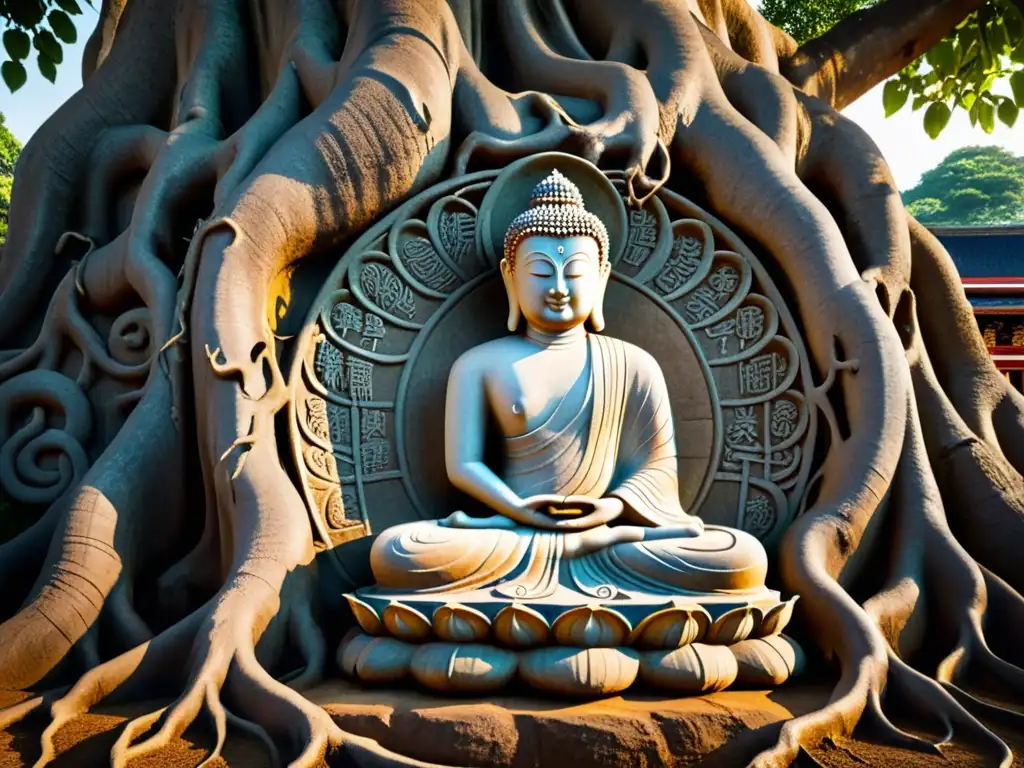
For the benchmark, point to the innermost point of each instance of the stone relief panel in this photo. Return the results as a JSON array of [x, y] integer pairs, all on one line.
[[391, 289]]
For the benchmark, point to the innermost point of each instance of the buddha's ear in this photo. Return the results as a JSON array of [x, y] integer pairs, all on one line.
[[514, 312], [597, 313]]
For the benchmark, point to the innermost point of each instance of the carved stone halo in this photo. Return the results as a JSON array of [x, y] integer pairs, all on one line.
[[422, 286], [509, 196]]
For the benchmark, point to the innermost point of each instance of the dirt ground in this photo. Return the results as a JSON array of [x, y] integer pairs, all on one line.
[[722, 729]]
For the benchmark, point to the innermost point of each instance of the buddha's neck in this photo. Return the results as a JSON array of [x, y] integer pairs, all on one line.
[[569, 338]]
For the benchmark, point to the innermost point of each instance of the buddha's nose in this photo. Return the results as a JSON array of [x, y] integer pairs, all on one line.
[[559, 290]]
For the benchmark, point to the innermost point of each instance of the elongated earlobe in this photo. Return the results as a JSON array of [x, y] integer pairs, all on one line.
[[597, 313], [514, 313]]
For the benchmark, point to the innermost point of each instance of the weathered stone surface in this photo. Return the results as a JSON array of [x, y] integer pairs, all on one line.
[[515, 732], [694, 668], [768, 661]]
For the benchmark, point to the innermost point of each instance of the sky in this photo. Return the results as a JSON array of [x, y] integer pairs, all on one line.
[[901, 137]]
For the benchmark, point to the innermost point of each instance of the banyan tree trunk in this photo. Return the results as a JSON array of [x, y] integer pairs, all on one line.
[[220, 147]]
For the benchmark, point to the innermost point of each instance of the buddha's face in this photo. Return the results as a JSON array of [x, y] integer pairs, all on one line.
[[558, 281]]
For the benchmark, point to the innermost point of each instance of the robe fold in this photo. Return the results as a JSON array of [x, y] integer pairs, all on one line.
[[611, 435]]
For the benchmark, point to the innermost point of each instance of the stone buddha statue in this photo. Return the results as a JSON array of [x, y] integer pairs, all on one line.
[[586, 549]]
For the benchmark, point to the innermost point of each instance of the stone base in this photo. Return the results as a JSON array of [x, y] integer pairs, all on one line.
[[695, 668], [509, 731]]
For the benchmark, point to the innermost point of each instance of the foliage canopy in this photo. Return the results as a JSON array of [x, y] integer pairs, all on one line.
[[40, 25], [971, 186], [9, 150], [978, 68]]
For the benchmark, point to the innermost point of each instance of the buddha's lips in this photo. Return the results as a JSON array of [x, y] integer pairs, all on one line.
[[557, 304]]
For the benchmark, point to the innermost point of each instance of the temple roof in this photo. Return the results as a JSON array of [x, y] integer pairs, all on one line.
[[985, 251]]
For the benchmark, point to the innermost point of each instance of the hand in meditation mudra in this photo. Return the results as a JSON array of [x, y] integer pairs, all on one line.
[[587, 547]]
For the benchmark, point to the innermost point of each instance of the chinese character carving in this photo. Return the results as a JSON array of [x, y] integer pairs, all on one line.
[[784, 419], [743, 430], [345, 317], [360, 379], [372, 332], [426, 265], [372, 424], [386, 289], [759, 516], [722, 331], [457, 231], [723, 281], [762, 374], [329, 366], [749, 324], [703, 303], [682, 263], [339, 422], [643, 236], [374, 455]]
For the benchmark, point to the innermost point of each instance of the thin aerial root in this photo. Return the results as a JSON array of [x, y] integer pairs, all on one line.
[[884, 731], [987, 710], [930, 696], [120, 752], [18, 712], [220, 722]]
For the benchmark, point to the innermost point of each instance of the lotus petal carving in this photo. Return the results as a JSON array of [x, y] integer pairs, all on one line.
[[463, 667], [460, 624], [518, 626], [768, 661], [671, 628], [375, 659], [733, 626], [591, 627], [407, 623], [695, 668], [776, 619], [365, 615], [580, 671]]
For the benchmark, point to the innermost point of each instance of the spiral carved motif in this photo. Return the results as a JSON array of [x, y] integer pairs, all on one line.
[[39, 461]]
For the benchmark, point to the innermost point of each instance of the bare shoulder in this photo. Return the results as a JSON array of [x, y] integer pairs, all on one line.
[[476, 361]]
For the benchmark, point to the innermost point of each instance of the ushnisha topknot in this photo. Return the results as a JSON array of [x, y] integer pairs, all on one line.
[[556, 210]]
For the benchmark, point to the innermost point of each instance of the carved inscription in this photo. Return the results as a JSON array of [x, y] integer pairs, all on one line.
[[385, 289], [642, 237], [761, 374], [710, 296], [426, 266], [374, 455], [457, 231], [360, 379], [683, 262], [329, 366], [759, 516], [743, 430], [784, 419]]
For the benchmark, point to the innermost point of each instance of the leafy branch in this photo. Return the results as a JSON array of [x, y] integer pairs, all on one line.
[[36, 24]]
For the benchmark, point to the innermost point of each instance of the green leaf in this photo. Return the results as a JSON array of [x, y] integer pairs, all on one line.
[[968, 99], [14, 74], [17, 43], [986, 115], [1008, 112], [1017, 54], [894, 96], [944, 57], [973, 113], [919, 101], [1017, 86], [63, 27], [25, 14], [70, 6], [47, 44], [935, 119], [47, 67]]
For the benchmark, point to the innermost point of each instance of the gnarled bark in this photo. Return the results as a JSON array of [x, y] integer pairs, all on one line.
[[223, 145]]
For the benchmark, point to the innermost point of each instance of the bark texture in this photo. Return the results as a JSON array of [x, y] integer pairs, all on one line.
[[218, 146]]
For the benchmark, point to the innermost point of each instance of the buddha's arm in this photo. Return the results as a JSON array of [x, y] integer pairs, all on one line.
[[464, 436]]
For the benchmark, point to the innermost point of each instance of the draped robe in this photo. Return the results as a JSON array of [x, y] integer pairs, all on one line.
[[611, 435]]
